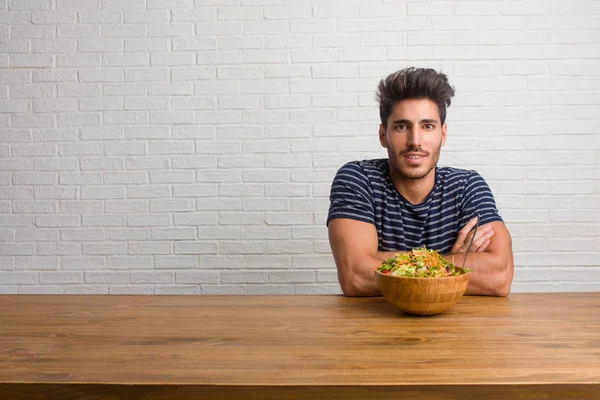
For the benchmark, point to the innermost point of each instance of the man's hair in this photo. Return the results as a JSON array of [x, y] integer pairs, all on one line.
[[413, 83]]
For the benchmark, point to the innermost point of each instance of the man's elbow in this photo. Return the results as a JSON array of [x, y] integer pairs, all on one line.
[[506, 278], [350, 287]]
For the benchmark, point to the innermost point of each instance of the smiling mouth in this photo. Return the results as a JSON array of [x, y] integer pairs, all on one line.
[[413, 156]]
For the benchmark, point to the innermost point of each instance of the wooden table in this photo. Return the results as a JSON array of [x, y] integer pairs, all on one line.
[[290, 347]]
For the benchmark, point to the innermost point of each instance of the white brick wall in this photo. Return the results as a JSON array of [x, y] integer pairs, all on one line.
[[180, 146]]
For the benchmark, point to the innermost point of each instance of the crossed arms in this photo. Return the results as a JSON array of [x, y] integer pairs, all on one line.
[[354, 245]]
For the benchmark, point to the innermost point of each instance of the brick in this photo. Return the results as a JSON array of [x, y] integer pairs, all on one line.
[[172, 117], [80, 148], [36, 263], [55, 193], [128, 206], [196, 247], [153, 248], [17, 278], [102, 17], [86, 289], [53, 45], [173, 58], [147, 220], [81, 207], [126, 60], [146, 16], [291, 276], [100, 277], [16, 192], [244, 277], [176, 262], [218, 204], [30, 31], [218, 232], [33, 149], [104, 248], [176, 289], [124, 147], [241, 218], [194, 15], [314, 56], [146, 162], [79, 60], [240, 161], [102, 163], [265, 204], [146, 74], [171, 205], [193, 103], [157, 277], [6, 235], [178, 233], [195, 219], [75, 31], [81, 119], [143, 191], [264, 175], [135, 290], [271, 232], [101, 45], [224, 289], [171, 176], [120, 6], [194, 190], [57, 220], [53, 17], [203, 277], [34, 207], [224, 262], [127, 234], [7, 220], [60, 277], [289, 218], [16, 249]]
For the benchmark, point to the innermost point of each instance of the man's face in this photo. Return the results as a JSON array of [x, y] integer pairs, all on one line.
[[413, 137]]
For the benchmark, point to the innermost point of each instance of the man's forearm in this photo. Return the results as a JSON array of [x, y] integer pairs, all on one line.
[[364, 283], [491, 274]]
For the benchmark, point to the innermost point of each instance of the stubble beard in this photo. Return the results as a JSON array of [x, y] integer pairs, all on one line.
[[412, 173]]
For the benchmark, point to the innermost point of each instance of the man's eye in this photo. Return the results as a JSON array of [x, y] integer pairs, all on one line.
[[400, 127], [428, 126]]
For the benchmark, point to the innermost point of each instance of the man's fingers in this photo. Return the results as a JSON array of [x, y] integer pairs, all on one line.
[[464, 232], [484, 246], [482, 242], [483, 232]]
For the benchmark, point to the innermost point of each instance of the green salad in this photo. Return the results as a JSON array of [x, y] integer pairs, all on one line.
[[420, 263]]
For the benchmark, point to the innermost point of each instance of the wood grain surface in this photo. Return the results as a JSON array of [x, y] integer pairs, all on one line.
[[182, 347]]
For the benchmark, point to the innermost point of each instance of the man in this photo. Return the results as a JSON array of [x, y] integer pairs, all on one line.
[[385, 206]]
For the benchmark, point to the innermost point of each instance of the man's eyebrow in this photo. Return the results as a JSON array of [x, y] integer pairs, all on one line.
[[423, 121]]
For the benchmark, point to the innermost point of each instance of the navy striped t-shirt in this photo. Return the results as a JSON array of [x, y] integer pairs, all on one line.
[[363, 191]]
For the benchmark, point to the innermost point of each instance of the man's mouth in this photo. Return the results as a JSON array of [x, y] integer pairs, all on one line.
[[414, 156]]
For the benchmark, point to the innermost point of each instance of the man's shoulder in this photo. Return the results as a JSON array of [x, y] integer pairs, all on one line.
[[452, 174], [369, 169]]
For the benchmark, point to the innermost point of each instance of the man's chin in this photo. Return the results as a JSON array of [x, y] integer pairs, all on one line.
[[412, 173]]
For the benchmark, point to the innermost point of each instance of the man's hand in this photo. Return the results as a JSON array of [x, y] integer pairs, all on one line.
[[481, 241]]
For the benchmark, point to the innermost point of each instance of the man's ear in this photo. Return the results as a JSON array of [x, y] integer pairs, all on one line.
[[382, 138], [444, 133]]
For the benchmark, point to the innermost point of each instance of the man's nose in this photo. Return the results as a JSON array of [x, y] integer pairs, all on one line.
[[415, 137]]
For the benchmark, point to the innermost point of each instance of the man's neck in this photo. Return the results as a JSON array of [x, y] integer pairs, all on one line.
[[413, 190]]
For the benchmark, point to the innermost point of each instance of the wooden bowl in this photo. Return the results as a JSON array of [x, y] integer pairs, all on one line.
[[423, 296]]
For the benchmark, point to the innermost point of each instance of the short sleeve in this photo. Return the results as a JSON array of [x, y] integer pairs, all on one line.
[[478, 200], [351, 195]]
